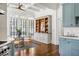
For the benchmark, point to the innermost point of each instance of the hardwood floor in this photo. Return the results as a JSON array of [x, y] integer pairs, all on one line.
[[41, 50], [46, 49]]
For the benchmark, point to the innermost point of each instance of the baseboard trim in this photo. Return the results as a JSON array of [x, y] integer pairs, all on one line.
[[37, 42]]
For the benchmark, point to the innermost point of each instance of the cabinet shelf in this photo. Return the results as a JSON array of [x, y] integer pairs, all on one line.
[[42, 25]]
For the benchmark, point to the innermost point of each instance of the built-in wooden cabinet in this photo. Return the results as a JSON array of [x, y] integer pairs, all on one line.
[[46, 25], [42, 25], [43, 31], [37, 26]]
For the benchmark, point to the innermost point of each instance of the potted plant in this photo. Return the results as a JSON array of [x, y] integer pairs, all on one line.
[[18, 38], [18, 32]]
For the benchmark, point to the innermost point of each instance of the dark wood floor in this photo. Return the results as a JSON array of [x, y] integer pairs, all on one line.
[[47, 49], [41, 50]]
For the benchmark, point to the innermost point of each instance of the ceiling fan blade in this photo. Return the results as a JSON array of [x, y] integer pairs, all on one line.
[[22, 9], [18, 6]]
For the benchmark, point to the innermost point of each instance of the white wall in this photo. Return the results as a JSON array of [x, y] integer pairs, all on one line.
[[3, 22], [59, 23]]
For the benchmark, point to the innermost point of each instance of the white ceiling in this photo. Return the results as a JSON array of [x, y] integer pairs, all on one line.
[[30, 8], [47, 5]]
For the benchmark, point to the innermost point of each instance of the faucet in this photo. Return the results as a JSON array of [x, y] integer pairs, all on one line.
[[71, 35]]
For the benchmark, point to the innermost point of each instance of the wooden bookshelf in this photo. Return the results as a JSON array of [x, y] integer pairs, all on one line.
[[42, 25], [46, 25], [37, 26]]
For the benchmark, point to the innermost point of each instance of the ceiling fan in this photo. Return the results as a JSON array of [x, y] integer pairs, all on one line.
[[18, 6], [21, 6]]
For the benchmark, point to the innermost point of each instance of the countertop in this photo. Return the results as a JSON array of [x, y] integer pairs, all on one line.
[[8, 41], [76, 38]]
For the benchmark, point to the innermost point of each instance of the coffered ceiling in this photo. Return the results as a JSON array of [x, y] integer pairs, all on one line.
[[30, 8]]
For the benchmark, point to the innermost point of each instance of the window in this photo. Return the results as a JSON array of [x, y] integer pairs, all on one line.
[[27, 26]]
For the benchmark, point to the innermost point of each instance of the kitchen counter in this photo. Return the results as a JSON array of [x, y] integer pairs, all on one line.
[[6, 47], [76, 38], [69, 46], [7, 42]]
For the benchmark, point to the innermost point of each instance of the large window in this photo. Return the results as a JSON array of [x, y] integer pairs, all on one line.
[[26, 26]]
